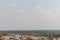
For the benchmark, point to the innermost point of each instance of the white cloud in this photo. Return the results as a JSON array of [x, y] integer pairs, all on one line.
[[40, 7], [57, 9], [12, 0], [14, 4], [50, 13], [40, 10], [21, 11]]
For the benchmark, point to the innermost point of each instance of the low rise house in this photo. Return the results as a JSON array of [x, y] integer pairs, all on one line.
[[7, 37]]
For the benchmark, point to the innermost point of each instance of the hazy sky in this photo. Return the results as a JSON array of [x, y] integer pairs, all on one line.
[[29, 14]]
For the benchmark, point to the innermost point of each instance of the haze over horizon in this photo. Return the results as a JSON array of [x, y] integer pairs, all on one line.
[[29, 14]]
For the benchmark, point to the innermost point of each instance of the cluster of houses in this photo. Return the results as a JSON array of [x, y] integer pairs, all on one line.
[[24, 37], [10, 37]]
